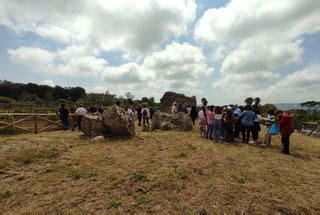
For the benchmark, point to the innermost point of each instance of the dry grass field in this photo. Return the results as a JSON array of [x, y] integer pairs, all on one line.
[[156, 172]]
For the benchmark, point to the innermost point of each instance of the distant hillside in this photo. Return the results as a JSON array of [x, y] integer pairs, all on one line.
[[290, 106]]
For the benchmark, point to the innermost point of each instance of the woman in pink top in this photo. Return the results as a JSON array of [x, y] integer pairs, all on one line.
[[210, 122]]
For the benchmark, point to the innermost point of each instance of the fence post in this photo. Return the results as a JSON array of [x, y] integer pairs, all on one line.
[[35, 124]]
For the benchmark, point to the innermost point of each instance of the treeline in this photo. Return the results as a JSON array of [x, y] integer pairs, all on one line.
[[34, 92]]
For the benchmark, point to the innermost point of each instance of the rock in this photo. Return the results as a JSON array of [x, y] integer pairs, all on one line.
[[92, 125], [117, 121], [165, 121], [98, 139], [168, 98]]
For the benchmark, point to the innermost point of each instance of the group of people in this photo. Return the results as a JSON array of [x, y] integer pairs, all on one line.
[[216, 123], [143, 112], [226, 124], [63, 113]]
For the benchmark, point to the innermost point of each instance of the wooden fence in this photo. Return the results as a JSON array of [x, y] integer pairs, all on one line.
[[35, 122]]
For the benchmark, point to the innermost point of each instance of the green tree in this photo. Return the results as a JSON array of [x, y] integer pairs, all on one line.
[[312, 105], [48, 97]]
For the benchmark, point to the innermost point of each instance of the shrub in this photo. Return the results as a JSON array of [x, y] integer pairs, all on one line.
[[75, 174], [6, 100], [5, 194], [140, 176], [143, 199], [114, 203], [181, 174]]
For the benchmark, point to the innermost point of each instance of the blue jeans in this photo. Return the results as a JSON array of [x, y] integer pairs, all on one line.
[[209, 131], [216, 129], [65, 124]]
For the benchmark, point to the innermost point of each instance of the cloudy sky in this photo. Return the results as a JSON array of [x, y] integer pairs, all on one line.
[[219, 49]]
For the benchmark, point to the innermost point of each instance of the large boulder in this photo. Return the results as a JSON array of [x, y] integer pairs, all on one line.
[[165, 121], [168, 98], [92, 125], [117, 121]]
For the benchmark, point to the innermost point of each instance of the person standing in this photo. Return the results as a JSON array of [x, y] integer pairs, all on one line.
[[174, 109], [247, 122], [130, 113], [209, 122], [64, 115], [80, 112], [269, 121], [145, 115], [139, 115], [286, 129], [229, 122], [193, 114], [256, 126], [203, 121], [217, 123], [237, 126]]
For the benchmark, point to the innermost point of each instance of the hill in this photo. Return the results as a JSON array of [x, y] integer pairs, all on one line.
[[290, 106], [156, 172]]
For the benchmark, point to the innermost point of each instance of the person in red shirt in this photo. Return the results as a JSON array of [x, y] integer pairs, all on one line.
[[285, 122]]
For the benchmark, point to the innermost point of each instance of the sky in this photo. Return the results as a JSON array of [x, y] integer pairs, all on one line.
[[218, 49]]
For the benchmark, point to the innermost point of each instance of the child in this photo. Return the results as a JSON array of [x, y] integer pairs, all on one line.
[[269, 122]]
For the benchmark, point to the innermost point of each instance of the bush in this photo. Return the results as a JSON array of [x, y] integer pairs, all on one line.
[[6, 100]]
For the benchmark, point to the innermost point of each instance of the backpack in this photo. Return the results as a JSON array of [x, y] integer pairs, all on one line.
[[145, 112]]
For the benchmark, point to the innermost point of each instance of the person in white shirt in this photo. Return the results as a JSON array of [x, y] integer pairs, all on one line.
[[256, 126], [130, 113], [80, 112], [174, 109], [145, 115]]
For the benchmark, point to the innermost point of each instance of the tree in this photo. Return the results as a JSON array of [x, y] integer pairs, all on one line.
[[248, 101], [145, 99], [266, 107], [257, 101], [312, 104], [204, 102], [25, 96], [129, 95], [76, 93], [48, 97]]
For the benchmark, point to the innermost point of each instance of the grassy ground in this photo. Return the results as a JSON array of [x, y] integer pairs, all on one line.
[[156, 172]]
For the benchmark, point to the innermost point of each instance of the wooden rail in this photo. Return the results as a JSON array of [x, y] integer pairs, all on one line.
[[35, 119]]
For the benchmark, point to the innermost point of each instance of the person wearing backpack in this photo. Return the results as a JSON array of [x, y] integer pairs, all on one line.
[[145, 115]]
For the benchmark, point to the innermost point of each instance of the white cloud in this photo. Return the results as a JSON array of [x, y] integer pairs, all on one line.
[[103, 24], [302, 85], [48, 82], [34, 58], [178, 67], [263, 38], [72, 61]]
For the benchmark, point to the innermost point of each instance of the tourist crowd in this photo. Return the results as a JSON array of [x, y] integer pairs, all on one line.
[[227, 123]]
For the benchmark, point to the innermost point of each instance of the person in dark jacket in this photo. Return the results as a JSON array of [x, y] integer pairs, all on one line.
[[286, 129], [139, 115], [193, 114], [64, 115]]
